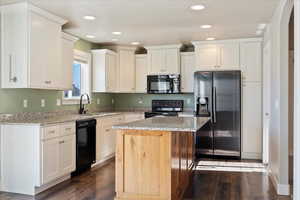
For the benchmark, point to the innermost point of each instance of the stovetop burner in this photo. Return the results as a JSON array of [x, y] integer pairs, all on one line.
[[165, 108]]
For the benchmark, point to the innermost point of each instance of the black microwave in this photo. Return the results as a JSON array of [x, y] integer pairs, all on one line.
[[163, 84]]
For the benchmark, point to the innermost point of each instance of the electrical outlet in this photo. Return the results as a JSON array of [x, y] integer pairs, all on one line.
[[25, 103], [112, 101], [43, 103], [58, 102], [98, 101], [140, 100], [188, 101]]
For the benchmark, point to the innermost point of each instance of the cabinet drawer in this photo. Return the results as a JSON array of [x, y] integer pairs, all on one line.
[[67, 129], [50, 132], [110, 121]]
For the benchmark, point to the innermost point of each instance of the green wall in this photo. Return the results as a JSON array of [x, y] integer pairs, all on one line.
[[11, 100], [143, 101]]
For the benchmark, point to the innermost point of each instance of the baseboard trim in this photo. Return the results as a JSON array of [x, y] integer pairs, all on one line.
[[104, 161], [251, 155], [281, 189], [51, 184]]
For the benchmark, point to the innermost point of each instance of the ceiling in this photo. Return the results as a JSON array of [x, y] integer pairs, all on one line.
[[153, 22]]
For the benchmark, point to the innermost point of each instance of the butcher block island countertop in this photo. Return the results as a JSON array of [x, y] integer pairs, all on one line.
[[155, 157]]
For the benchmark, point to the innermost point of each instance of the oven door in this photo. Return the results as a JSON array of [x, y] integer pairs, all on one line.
[[159, 84]]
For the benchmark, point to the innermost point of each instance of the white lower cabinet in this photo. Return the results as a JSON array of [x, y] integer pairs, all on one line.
[[50, 160], [58, 151], [67, 156], [106, 136], [36, 157], [251, 120]]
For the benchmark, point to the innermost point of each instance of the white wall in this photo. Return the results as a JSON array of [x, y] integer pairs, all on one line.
[[277, 34], [297, 103]]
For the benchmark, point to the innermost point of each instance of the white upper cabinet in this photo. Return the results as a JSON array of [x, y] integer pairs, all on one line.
[[126, 69], [67, 42], [104, 70], [141, 73], [172, 61], [251, 61], [164, 59], [217, 55], [229, 55], [31, 47], [187, 72], [207, 56]]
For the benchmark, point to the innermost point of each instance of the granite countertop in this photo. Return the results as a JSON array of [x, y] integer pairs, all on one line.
[[43, 120], [184, 124]]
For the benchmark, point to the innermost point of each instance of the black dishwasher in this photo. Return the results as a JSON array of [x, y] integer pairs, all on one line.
[[85, 145]]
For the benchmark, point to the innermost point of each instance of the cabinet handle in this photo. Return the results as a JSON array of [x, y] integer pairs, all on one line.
[[106, 130], [61, 142], [68, 129], [11, 78], [48, 82], [51, 132]]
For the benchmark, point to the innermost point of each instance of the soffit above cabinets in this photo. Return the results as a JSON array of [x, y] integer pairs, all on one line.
[[160, 21]]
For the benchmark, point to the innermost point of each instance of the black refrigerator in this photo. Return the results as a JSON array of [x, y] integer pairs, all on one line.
[[218, 96]]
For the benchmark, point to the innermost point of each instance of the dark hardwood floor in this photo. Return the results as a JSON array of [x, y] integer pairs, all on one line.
[[99, 184]]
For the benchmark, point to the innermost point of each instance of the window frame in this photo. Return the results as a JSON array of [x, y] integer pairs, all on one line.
[[84, 57]]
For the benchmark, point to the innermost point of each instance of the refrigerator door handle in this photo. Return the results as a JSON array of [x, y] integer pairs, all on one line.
[[215, 105]]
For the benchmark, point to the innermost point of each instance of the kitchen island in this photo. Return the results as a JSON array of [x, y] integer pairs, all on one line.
[[154, 157]]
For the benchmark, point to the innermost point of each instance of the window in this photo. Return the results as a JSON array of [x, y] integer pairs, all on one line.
[[81, 78]]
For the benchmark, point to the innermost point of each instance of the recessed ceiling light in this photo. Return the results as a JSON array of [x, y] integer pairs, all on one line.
[[135, 43], [261, 26], [114, 40], [210, 38], [90, 36], [206, 26], [259, 32], [89, 17], [117, 33], [197, 7]]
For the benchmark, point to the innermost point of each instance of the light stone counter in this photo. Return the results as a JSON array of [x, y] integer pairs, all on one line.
[[48, 119], [182, 124]]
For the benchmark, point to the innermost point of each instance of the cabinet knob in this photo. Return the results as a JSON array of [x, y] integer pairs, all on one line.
[[61, 142]]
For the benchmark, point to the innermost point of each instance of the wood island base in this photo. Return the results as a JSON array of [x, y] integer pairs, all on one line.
[[153, 165]]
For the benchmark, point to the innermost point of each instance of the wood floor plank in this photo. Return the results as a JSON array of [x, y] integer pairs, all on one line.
[[99, 184]]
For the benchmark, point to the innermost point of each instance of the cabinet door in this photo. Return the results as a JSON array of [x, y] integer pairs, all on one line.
[[127, 70], [50, 160], [251, 61], [229, 56], [141, 73], [99, 139], [172, 58], [156, 61], [14, 60], [67, 154], [187, 72], [206, 57], [67, 64], [251, 121], [45, 52], [111, 72]]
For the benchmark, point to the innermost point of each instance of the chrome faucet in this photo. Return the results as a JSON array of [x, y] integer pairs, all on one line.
[[81, 108]]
